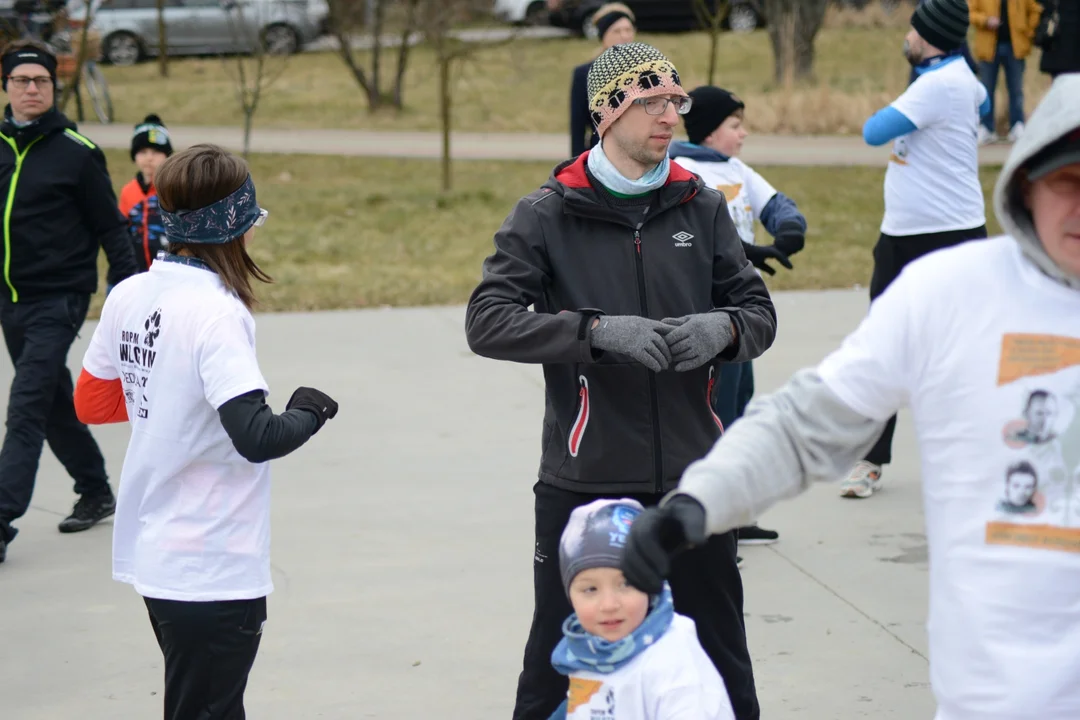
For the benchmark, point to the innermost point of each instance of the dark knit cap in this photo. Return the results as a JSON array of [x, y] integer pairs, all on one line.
[[595, 536], [942, 23], [151, 133], [712, 106], [608, 15]]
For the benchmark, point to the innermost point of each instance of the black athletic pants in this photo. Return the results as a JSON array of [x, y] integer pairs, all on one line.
[[706, 586], [38, 333], [209, 648], [891, 254]]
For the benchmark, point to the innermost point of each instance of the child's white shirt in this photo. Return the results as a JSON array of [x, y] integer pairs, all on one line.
[[672, 680], [746, 192]]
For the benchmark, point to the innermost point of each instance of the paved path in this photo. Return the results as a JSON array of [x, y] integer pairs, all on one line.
[[759, 150], [403, 549]]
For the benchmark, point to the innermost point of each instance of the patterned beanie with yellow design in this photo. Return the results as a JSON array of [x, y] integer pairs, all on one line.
[[624, 73]]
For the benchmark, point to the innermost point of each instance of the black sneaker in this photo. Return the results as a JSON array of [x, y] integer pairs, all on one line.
[[754, 535], [88, 512]]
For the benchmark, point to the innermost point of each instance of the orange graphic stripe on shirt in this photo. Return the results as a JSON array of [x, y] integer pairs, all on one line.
[[1026, 355], [581, 692], [99, 402], [1043, 537]]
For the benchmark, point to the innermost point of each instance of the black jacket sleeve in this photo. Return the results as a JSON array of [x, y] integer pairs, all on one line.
[[101, 213], [579, 109], [739, 291], [498, 322], [258, 434]]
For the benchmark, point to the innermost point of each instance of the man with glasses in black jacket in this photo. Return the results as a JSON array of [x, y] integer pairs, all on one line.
[[59, 209]]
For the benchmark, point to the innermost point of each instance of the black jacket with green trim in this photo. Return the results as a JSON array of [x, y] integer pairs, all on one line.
[[59, 208], [611, 425]]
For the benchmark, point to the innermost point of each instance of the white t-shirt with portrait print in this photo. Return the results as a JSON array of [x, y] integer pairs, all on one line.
[[193, 516], [985, 350], [746, 192], [932, 182]]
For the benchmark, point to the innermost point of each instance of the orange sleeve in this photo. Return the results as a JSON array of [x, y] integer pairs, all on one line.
[[129, 197], [99, 402]]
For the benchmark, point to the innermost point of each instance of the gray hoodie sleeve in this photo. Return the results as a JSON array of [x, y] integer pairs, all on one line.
[[785, 441], [498, 322]]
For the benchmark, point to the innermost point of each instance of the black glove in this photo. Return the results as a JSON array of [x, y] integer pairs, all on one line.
[[316, 402], [657, 536], [758, 254], [790, 237]]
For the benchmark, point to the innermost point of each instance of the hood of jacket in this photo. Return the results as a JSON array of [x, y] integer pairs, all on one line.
[[680, 149], [1057, 115]]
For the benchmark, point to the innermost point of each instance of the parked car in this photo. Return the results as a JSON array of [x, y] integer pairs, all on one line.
[[522, 12], [129, 28], [656, 15]]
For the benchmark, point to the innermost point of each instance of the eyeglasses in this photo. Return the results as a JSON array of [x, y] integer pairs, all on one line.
[[262, 217], [22, 82], [658, 105]]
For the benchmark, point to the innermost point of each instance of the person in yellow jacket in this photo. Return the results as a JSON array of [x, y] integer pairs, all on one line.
[[1003, 33]]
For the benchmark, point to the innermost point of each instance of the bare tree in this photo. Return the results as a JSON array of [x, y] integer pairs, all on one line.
[[793, 25], [252, 74], [81, 53], [711, 14], [163, 40], [351, 19], [440, 17]]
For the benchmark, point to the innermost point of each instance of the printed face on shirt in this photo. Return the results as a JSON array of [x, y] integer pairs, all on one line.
[[1020, 486], [1054, 202], [728, 138], [607, 605], [1039, 413], [148, 160]]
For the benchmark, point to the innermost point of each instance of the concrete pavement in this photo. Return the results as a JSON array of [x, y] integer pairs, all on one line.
[[835, 151], [403, 549]]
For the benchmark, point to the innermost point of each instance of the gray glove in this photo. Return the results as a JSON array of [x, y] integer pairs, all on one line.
[[640, 338], [697, 339]]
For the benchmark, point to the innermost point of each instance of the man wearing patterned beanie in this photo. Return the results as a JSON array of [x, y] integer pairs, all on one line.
[[933, 196], [641, 292]]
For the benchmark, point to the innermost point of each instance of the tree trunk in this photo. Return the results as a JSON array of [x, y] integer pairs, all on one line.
[[403, 54], [80, 60], [377, 8], [793, 26], [163, 40], [444, 119], [249, 119]]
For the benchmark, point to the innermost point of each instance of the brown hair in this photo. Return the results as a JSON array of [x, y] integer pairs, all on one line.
[[197, 177]]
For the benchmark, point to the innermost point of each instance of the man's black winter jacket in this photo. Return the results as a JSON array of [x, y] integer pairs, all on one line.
[[59, 208], [611, 425]]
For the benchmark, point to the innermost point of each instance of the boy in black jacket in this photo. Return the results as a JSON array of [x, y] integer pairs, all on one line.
[[60, 210], [641, 290]]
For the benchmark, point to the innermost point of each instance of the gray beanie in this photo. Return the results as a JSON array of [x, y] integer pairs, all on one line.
[[595, 536], [942, 23]]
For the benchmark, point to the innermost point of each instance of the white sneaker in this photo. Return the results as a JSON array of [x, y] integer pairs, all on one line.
[[1016, 132], [986, 137], [864, 481]]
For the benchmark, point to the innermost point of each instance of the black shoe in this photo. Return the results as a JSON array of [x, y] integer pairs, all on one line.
[[89, 511], [754, 535]]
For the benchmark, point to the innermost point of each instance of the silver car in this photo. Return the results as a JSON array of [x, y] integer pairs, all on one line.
[[129, 28]]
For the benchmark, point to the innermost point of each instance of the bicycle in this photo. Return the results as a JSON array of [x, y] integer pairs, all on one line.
[[47, 20]]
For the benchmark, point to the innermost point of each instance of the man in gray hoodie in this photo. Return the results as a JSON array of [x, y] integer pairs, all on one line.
[[963, 337]]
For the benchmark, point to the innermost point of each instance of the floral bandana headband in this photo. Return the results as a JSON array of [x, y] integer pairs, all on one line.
[[217, 223]]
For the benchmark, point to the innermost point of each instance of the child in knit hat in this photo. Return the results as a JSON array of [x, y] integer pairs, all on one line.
[[628, 655], [150, 147]]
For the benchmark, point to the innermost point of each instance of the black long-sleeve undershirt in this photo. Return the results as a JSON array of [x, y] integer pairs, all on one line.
[[258, 434]]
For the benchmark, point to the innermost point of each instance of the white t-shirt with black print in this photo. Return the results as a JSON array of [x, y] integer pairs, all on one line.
[[193, 516], [985, 350], [932, 182], [746, 192]]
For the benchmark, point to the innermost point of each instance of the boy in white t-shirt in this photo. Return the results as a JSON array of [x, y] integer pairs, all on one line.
[[933, 196], [628, 655], [715, 127]]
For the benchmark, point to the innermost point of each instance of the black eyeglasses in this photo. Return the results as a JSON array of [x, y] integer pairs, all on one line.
[[658, 105], [22, 82]]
